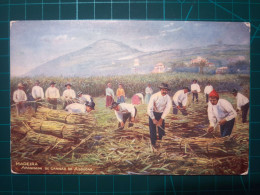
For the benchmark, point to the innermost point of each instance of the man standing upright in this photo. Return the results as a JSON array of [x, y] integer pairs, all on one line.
[[242, 104], [37, 93], [120, 93], [195, 89], [52, 94], [207, 91], [20, 98], [148, 93], [110, 95], [69, 95], [159, 106]]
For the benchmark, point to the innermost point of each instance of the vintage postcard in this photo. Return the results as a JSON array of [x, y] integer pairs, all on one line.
[[130, 97]]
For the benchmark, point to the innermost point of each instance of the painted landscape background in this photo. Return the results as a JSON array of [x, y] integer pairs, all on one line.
[[134, 54]]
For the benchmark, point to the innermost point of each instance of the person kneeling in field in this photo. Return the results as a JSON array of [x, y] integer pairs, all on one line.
[[180, 100], [81, 108], [220, 112], [124, 111]]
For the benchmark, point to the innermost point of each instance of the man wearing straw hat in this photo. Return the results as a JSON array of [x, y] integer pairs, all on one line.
[[19, 97], [68, 95], [158, 108], [242, 104], [124, 111], [81, 108], [37, 93], [52, 94], [179, 102], [220, 112]]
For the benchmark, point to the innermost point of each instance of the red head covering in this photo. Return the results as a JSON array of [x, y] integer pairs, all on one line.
[[213, 93]]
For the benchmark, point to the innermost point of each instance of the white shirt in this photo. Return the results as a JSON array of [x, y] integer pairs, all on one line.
[[84, 98], [195, 86], [37, 92], [110, 92], [19, 96], [241, 100], [76, 108], [159, 103], [69, 93], [124, 108], [52, 92], [140, 96], [180, 97], [208, 89], [148, 90], [223, 110]]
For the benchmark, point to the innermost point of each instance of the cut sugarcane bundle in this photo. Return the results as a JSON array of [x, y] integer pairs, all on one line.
[[59, 129], [48, 140], [64, 117]]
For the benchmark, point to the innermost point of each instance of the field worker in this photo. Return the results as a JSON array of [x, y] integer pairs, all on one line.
[[37, 93], [159, 106], [20, 98], [52, 94], [179, 102], [110, 95], [207, 91], [195, 89], [81, 108], [220, 112], [120, 93], [83, 98], [137, 99], [242, 104], [68, 95], [148, 93], [124, 111]]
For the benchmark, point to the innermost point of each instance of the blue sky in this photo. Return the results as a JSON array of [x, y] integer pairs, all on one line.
[[36, 42]]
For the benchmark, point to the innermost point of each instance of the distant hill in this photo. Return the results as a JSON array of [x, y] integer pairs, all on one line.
[[108, 57]]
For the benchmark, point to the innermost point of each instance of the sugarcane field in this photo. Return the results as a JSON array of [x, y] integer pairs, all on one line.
[[135, 97], [55, 141]]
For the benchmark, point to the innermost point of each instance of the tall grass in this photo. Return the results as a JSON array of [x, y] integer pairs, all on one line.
[[95, 86]]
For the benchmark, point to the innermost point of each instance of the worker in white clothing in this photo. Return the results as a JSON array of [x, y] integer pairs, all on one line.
[[242, 104], [195, 89], [158, 108], [81, 108], [148, 93], [19, 97], [179, 102], [68, 95], [52, 94], [83, 98], [124, 111], [220, 112], [38, 94], [207, 91]]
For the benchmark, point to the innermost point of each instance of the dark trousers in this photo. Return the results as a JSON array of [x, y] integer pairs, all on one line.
[[207, 98], [37, 103], [152, 127], [244, 110], [226, 129], [175, 109], [127, 116], [195, 95], [53, 103]]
